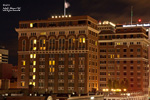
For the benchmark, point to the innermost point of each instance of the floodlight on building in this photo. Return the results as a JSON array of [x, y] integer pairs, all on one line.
[[107, 90], [52, 16], [69, 15], [128, 94], [106, 22], [63, 16], [104, 90], [92, 98], [66, 16], [112, 24], [55, 16], [59, 16]]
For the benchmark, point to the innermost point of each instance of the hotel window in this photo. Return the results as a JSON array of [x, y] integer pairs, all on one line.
[[23, 63], [124, 73], [31, 55], [22, 83], [138, 42], [50, 62], [118, 43], [124, 43], [33, 44], [34, 41], [33, 83], [53, 62], [34, 77], [131, 73], [118, 56], [30, 83], [23, 45], [22, 76], [138, 50], [118, 50], [34, 69], [31, 25], [34, 48], [34, 63], [42, 44], [131, 42], [52, 44], [131, 50], [124, 50]]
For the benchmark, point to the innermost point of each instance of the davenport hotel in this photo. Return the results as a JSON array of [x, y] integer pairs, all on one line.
[[59, 54], [66, 54]]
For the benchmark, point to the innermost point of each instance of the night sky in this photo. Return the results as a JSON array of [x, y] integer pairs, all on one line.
[[117, 11]]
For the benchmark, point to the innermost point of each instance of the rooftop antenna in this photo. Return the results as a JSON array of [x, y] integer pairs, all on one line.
[[131, 14]]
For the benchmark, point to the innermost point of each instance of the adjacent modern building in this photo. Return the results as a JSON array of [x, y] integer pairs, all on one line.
[[124, 58], [3, 55], [59, 54]]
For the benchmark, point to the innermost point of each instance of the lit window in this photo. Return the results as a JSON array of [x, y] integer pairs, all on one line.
[[118, 56], [24, 63], [118, 43], [80, 40], [96, 43], [30, 83], [53, 69], [113, 56], [73, 62], [34, 77], [34, 41], [50, 62], [44, 48], [31, 24], [33, 83], [40, 48], [34, 48], [50, 70], [73, 40], [31, 55], [43, 41], [34, 63], [53, 62], [83, 40], [34, 56], [34, 69], [72, 76], [22, 83]]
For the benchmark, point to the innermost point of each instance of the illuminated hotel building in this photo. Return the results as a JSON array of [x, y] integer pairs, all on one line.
[[59, 54], [124, 57]]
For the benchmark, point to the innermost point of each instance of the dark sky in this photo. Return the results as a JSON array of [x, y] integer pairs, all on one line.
[[117, 11]]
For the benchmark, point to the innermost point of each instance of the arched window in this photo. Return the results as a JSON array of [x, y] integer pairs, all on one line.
[[42, 44], [71, 44], [52, 44], [81, 43], [61, 44], [33, 44]]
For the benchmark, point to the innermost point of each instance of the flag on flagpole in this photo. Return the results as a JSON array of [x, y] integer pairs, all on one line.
[[67, 4]]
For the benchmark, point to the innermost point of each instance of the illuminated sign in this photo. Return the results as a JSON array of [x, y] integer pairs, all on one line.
[[146, 25]]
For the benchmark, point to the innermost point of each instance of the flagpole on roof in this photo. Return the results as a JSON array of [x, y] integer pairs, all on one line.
[[64, 8]]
